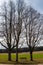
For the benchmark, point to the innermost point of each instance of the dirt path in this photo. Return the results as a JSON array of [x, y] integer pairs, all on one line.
[[21, 64], [6, 64]]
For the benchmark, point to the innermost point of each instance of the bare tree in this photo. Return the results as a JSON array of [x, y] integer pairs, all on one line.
[[8, 16], [12, 25], [20, 10], [12, 21], [33, 28]]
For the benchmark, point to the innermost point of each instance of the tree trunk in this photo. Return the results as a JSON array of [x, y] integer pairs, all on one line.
[[31, 56], [17, 53], [9, 56]]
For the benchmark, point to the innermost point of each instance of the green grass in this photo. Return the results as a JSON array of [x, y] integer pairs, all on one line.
[[23, 57], [38, 56]]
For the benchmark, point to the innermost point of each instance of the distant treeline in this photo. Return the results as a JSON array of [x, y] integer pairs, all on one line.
[[21, 50]]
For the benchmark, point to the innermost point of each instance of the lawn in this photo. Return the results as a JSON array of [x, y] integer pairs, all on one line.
[[23, 57]]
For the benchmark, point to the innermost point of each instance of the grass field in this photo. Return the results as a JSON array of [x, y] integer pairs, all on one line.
[[23, 57]]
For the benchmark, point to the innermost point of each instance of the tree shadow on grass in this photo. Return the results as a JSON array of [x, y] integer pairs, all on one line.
[[22, 61], [25, 62]]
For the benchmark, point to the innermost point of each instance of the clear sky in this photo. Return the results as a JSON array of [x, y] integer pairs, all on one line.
[[36, 4]]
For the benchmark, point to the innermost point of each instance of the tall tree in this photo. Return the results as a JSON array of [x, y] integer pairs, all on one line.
[[12, 25], [8, 14], [33, 28], [20, 9]]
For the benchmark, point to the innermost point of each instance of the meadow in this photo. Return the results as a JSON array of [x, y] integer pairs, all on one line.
[[23, 57]]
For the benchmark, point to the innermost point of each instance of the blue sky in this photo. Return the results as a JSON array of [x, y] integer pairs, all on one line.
[[36, 4]]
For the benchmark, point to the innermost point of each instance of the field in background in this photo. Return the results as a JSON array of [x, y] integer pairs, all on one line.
[[23, 57]]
